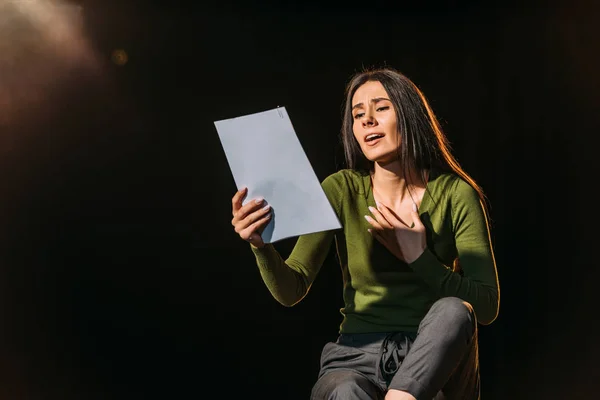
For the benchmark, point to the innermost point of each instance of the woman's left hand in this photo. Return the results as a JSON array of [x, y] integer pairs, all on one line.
[[406, 243]]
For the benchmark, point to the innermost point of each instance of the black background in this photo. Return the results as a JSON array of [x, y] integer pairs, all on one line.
[[122, 277]]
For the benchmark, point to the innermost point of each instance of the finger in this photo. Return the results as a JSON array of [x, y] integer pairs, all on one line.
[[374, 223], [377, 235], [241, 224], [250, 233], [248, 208], [238, 197], [389, 215], [381, 218]]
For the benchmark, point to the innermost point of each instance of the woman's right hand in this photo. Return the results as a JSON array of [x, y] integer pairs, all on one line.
[[250, 219]]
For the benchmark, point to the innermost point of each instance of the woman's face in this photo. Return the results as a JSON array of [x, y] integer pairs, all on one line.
[[375, 126]]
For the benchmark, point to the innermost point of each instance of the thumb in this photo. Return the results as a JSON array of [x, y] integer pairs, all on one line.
[[416, 218]]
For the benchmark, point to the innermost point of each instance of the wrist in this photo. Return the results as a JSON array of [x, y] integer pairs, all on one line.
[[415, 257]]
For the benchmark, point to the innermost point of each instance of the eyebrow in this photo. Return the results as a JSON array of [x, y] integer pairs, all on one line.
[[375, 100]]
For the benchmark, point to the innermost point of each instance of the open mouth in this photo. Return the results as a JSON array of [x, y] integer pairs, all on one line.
[[373, 138]]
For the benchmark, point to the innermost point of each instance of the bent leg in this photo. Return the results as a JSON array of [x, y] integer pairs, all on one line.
[[444, 352], [345, 385]]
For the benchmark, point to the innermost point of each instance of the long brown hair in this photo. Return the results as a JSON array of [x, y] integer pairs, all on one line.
[[424, 146]]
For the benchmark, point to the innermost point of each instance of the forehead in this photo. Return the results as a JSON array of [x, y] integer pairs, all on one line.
[[367, 91]]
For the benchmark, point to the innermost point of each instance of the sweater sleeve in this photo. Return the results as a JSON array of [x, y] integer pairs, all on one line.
[[478, 284], [289, 280]]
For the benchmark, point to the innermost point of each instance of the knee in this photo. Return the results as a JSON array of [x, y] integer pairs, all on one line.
[[456, 311], [342, 385]]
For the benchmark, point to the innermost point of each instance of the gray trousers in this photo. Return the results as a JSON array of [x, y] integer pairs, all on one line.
[[439, 362]]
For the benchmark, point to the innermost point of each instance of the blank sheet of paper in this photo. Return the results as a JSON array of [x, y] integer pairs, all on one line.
[[265, 155]]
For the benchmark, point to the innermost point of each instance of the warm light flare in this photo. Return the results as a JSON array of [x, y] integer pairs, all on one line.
[[119, 57], [40, 42]]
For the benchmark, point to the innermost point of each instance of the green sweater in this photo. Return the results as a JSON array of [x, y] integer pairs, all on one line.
[[381, 293]]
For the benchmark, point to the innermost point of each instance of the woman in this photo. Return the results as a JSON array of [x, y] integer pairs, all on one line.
[[415, 251]]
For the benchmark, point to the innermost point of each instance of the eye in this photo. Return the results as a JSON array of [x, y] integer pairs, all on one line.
[[384, 108], [358, 115]]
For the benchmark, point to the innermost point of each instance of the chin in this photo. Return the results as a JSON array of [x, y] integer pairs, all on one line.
[[381, 157]]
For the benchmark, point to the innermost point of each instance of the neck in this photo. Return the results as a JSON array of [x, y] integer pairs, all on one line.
[[391, 184]]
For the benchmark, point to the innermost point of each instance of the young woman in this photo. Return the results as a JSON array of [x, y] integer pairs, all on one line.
[[417, 261]]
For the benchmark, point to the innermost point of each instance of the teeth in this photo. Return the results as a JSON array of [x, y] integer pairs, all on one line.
[[373, 136]]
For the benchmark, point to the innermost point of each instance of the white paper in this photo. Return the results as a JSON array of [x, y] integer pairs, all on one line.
[[265, 155]]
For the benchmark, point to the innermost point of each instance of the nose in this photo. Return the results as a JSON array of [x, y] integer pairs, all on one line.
[[368, 119]]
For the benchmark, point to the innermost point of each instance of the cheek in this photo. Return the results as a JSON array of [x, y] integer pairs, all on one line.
[[356, 132], [391, 124], [392, 129]]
